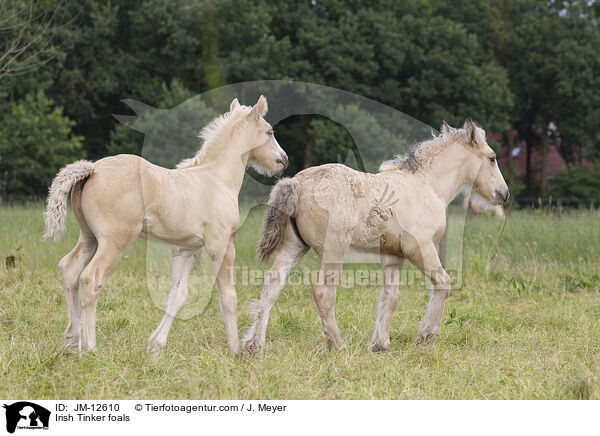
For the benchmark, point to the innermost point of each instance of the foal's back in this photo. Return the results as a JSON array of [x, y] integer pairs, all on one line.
[[113, 195], [128, 193], [377, 210]]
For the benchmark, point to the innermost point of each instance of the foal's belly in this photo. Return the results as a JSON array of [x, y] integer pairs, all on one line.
[[377, 233], [181, 235], [184, 241], [382, 243]]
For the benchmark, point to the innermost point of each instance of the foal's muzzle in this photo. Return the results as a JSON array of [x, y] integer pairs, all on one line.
[[502, 196], [283, 160]]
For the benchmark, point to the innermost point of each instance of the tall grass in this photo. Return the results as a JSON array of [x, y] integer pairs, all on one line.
[[526, 324]]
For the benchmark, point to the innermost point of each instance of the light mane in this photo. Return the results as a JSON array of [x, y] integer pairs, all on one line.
[[421, 153], [211, 136]]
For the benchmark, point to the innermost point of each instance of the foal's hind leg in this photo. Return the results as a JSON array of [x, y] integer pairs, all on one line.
[[70, 268], [92, 280], [387, 302], [73, 264], [182, 264], [288, 255], [222, 252]]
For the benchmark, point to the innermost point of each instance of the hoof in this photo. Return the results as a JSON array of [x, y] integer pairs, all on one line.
[[377, 347], [156, 349], [253, 345], [427, 338], [335, 345], [71, 348], [72, 344]]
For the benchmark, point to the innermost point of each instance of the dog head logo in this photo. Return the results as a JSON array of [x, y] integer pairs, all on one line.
[[26, 415]]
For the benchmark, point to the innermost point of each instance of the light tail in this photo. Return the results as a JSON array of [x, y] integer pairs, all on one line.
[[56, 204]]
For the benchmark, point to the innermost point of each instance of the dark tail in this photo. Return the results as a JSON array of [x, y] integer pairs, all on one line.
[[282, 205]]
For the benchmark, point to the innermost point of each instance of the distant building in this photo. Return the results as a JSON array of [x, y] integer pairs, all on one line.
[[516, 159]]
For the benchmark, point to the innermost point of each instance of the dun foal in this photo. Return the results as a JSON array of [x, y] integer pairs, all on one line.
[[119, 198], [398, 213]]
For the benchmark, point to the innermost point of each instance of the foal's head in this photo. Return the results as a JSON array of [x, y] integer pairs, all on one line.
[[483, 169], [264, 153]]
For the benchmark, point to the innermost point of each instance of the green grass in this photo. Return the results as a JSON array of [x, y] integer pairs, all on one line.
[[525, 325]]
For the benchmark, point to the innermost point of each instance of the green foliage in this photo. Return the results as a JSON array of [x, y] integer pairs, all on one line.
[[577, 186], [333, 143], [168, 134], [553, 59], [518, 64], [35, 142], [423, 64]]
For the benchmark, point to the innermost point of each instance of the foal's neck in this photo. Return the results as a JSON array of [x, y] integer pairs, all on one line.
[[449, 171], [228, 165]]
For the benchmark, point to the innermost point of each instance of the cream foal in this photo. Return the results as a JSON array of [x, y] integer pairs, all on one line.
[[399, 213], [119, 198]]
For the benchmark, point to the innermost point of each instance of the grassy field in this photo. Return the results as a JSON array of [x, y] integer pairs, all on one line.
[[525, 325]]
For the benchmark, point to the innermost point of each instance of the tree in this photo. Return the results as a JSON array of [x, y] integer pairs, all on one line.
[[170, 134], [29, 35], [36, 142], [427, 66], [522, 64], [553, 60]]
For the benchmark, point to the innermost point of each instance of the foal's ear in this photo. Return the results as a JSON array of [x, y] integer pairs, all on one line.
[[445, 128], [234, 105], [260, 108], [470, 130]]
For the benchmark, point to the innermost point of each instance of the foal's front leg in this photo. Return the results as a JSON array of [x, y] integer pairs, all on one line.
[[182, 260], [428, 262], [324, 294], [331, 254]]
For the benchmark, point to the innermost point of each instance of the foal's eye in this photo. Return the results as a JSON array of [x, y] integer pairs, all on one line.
[[270, 132], [493, 159]]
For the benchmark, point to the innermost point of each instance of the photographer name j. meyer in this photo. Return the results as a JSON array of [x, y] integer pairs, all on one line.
[[260, 407]]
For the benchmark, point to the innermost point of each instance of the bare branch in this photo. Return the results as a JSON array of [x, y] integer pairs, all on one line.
[[29, 42]]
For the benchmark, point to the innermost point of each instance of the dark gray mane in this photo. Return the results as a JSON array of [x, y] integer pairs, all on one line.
[[419, 153]]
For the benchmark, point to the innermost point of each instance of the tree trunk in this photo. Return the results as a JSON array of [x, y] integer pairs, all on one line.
[[544, 161], [508, 138], [310, 142], [528, 169], [308, 155]]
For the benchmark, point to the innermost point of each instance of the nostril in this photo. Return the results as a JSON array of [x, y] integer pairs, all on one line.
[[283, 160], [503, 195]]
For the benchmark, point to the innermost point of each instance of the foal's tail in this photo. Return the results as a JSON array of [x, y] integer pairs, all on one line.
[[282, 205], [56, 205]]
